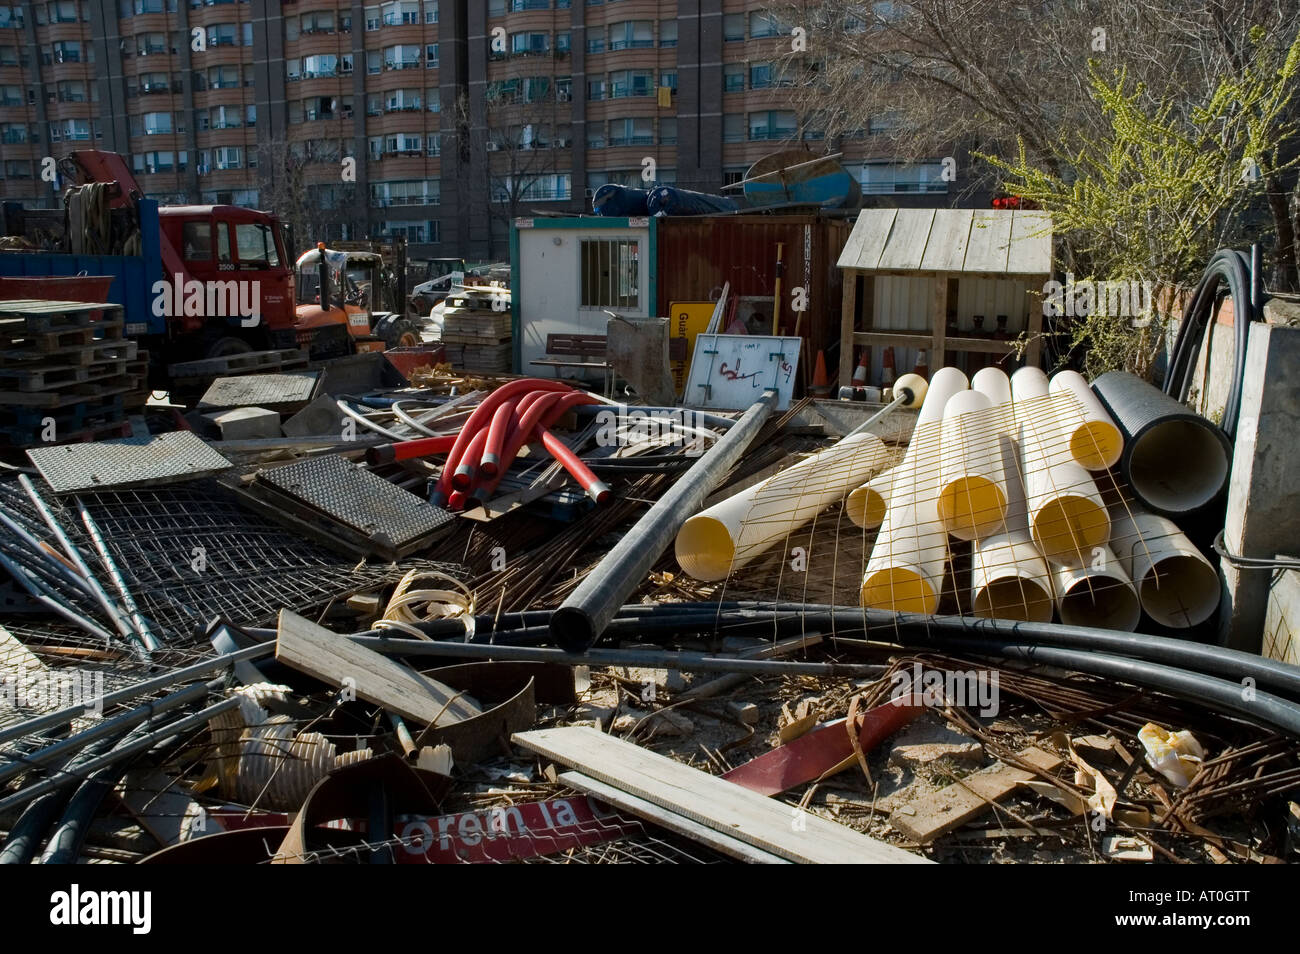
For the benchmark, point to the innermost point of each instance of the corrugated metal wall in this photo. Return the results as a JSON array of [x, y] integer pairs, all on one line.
[[697, 254]]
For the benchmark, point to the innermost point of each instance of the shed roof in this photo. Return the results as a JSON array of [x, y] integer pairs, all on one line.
[[954, 241]]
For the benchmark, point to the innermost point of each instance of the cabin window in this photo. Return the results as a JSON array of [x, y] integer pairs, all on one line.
[[611, 273], [196, 240]]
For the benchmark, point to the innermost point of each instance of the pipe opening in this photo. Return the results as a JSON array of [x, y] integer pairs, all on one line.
[[1016, 598], [1069, 526], [972, 507], [1180, 591], [573, 629], [1178, 465], [1096, 445], [1103, 602], [865, 507], [900, 588], [704, 548]]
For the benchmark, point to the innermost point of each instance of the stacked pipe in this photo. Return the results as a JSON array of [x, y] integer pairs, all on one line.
[[478, 456]]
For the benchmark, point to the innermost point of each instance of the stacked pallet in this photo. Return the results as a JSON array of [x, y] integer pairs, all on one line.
[[65, 372], [476, 330]]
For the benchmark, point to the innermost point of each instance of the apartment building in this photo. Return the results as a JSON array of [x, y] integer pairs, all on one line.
[[439, 120]]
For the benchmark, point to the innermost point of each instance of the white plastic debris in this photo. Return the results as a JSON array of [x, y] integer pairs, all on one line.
[[1175, 755]]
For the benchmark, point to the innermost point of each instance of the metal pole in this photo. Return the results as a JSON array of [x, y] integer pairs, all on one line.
[[650, 659], [52, 720], [147, 639], [134, 747], [583, 616], [113, 613]]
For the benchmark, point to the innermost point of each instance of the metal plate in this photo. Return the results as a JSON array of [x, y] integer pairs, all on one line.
[[262, 390], [356, 498], [732, 371], [131, 462]]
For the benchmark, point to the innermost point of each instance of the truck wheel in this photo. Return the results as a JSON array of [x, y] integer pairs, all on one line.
[[403, 333]]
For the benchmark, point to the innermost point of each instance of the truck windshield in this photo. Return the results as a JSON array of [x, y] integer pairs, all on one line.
[[256, 244]]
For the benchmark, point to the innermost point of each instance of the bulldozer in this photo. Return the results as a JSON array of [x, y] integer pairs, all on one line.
[[340, 304]]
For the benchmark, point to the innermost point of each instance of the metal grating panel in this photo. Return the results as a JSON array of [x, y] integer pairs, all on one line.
[[132, 462], [356, 498], [262, 390]]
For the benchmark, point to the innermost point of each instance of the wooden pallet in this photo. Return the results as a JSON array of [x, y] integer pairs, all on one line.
[[100, 349], [496, 326], [27, 427], [55, 377], [34, 316], [61, 340], [70, 394], [250, 361]]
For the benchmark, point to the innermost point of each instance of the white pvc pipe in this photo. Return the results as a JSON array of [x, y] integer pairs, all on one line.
[[1098, 594], [972, 498], [905, 572], [1090, 433], [731, 533], [1066, 514], [1177, 585]]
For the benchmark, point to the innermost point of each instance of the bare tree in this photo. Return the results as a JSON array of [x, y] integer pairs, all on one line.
[[996, 75], [304, 181]]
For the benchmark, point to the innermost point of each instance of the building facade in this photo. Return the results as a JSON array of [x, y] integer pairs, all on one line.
[[440, 120]]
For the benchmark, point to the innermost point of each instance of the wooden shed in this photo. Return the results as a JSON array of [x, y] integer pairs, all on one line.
[[921, 278]]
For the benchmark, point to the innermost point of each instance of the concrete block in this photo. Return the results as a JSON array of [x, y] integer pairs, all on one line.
[[245, 423]]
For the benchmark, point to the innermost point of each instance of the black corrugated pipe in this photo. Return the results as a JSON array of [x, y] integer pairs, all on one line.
[[29, 830], [1175, 460], [582, 617], [1244, 282], [666, 619]]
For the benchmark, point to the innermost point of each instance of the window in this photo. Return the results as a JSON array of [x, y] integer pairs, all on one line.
[[372, 19], [760, 76], [62, 11], [374, 61], [412, 231], [228, 157], [530, 44], [772, 124], [375, 147], [537, 89], [733, 27], [72, 91], [11, 95], [11, 17], [433, 100], [667, 32], [225, 117], [320, 65], [223, 34], [611, 273], [763, 24], [196, 241], [431, 56], [631, 132], [255, 245], [733, 174], [400, 12], [517, 6], [320, 22], [632, 35], [595, 43], [402, 57], [733, 127], [67, 51], [733, 78], [430, 11], [668, 131], [596, 135], [595, 89], [405, 192], [402, 101], [405, 144], [630, 83], [433, 146], [563, 42], [156, 124], [668, 80], [223, 77], [14, 134], [563, 89], [155, 162]]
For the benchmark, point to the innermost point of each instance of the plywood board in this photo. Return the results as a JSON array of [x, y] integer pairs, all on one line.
[[767, 824], [337, 661], [1031, 244]]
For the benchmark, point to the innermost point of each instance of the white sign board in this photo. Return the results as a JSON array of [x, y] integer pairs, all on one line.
[[731, 372]]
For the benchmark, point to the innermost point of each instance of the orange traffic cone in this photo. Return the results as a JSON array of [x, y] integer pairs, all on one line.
[[863, 368], [887, 368], [821, 385]]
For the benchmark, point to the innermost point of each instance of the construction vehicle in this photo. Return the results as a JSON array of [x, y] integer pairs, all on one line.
[[352, 284], [195, 281]]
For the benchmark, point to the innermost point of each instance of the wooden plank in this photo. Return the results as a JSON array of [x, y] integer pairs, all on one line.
[[713, 802], [907, 239], [949, 236], [990, 237], [867, 240], [847, 356], [332, 659], [678, 824], [940, 812], [938, 319], [1030, 250], [905, 338]]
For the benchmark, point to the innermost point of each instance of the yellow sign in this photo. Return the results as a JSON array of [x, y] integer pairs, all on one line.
[[688, 319]]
